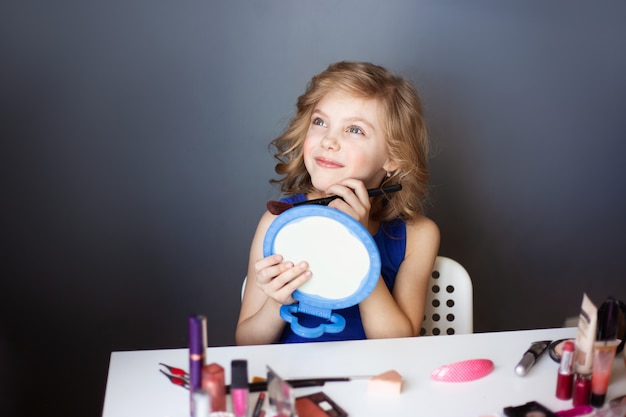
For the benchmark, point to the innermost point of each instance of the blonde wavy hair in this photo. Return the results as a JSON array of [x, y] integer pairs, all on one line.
[[403, 125]]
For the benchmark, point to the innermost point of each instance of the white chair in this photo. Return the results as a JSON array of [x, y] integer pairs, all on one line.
[[449, 305], [449, 301]]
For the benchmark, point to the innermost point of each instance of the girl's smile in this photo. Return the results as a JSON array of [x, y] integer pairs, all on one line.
[[327, 163]]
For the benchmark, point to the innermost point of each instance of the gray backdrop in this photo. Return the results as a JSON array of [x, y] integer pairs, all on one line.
[[135, 162]]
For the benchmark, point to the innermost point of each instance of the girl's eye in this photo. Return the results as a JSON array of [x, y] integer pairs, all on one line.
[[319, 122], [355, 129]]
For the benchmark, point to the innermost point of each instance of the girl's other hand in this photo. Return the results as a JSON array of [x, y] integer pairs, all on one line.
[[354, 201], [278, 279]]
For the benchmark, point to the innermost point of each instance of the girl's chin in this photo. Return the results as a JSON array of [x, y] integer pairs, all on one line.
[[322, 187]]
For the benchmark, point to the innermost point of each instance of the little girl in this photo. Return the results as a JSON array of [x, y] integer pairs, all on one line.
[[357, 127]]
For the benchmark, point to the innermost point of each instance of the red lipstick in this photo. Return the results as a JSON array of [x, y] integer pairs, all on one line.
[[565, 377]]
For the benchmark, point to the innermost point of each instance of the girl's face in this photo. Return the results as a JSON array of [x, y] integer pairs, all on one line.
[[346, 140]]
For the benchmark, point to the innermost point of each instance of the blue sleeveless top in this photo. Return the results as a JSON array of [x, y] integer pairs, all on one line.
[[391, 242]]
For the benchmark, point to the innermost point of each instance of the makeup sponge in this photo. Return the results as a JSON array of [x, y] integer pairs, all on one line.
[[389, 382]]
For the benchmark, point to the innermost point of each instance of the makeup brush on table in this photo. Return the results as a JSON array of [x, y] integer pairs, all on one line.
[[278, 207]]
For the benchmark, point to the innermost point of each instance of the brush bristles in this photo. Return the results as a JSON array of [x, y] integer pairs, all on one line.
[[278, 207]]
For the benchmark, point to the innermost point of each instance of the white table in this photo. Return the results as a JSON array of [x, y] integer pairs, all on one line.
[[136, 388]]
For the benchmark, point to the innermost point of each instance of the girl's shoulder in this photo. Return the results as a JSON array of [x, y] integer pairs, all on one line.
[[423, 223], [422, 233], [418, 225]]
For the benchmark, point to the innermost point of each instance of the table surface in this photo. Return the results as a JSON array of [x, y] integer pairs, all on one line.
[[135, 387]]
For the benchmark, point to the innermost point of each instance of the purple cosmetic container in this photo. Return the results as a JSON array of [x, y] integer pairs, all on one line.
[[197, 349]]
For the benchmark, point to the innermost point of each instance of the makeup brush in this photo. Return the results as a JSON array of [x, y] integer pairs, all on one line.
[[278, 207]]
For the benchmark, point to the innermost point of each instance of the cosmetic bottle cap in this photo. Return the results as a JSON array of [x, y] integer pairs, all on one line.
[[239, 373], [597, 400], [197, 334], [607, 320]]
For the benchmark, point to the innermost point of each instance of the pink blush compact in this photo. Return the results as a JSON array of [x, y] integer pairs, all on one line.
[[463, 371]]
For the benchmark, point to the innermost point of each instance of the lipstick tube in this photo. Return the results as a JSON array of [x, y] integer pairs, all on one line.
[[239, 387], [565, 376]]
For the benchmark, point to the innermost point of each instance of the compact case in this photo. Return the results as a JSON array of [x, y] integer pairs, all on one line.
[[342, 255]]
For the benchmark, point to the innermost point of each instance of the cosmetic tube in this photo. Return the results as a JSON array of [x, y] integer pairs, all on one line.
[[582, 390], [197, 349], [213, 383], [586, 336], [239, 387], [200, 400], [565, 376], [530, 357], [604, 354]]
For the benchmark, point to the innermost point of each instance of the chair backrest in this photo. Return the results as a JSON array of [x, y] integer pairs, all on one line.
[[449, 301]]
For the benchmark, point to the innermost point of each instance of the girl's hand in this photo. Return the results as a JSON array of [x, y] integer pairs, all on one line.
[[354, 201], [278, 279]]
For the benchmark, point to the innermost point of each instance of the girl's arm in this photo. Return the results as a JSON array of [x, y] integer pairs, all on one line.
[[270, 284], [400, 314]]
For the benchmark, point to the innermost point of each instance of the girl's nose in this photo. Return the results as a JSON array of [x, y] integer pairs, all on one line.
[[330, 142]]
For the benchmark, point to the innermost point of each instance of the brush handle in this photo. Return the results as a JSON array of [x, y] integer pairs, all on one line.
[[295, 383], [372, 192]]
